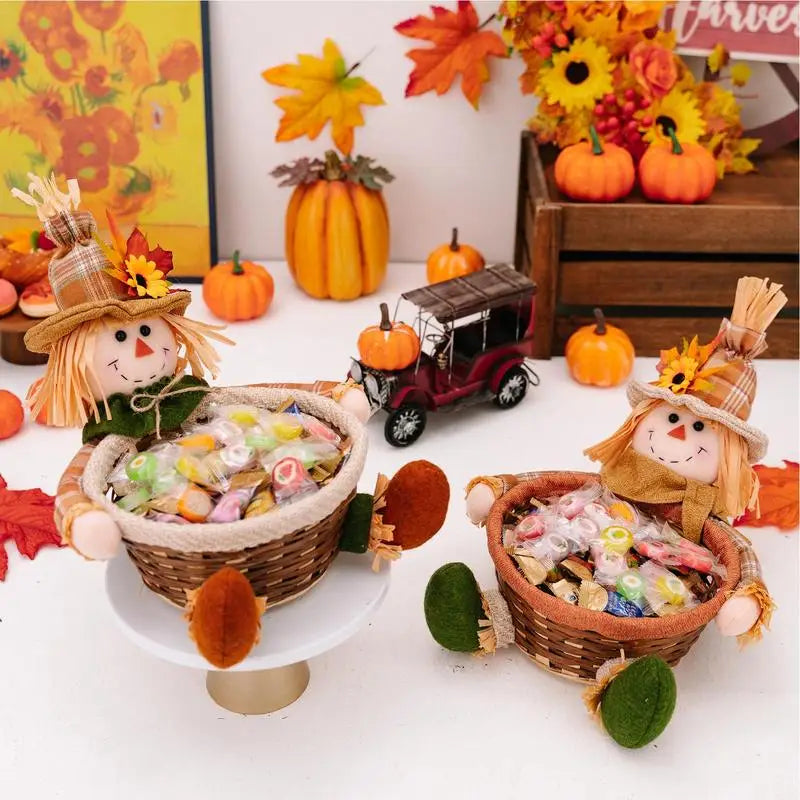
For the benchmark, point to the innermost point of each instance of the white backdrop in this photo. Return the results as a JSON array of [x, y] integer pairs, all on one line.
[[453, 166]]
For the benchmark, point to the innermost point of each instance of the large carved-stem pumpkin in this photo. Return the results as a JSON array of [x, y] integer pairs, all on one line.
[[337, 226], [453, 260], [238, 290], [677, 173], [388, 345], [599, 354], [593, 172]]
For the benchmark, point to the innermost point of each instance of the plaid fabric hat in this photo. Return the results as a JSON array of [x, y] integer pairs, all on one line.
[[717, 381], [82, 286]]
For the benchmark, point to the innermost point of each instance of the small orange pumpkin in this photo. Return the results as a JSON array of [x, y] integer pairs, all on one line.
[[593, 172], [388, 346], [453, 260], [12, 414], [599, 354], [238, 290], [677, 173]]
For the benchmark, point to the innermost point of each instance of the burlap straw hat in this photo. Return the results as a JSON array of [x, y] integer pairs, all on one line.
[[717, 381], [82, 287]]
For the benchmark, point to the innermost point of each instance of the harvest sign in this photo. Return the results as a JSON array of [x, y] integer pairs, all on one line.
[[762, 30]]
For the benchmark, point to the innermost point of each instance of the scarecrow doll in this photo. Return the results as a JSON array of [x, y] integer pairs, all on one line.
[[687, 441]]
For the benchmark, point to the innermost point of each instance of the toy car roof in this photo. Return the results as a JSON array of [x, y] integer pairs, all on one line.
[[495, 286]]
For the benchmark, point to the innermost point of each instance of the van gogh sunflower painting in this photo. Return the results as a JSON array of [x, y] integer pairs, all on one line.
[[609, 64], [113, 94]]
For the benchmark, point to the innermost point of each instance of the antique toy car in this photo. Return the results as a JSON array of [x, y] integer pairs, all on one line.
[[482, 358]]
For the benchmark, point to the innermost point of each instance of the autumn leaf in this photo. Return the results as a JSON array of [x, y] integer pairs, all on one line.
[[718, 58], [26, 516], [459, 46], [327, 92], [777, 496]]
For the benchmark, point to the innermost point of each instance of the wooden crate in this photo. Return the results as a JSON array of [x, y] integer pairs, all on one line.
[[659, 271]]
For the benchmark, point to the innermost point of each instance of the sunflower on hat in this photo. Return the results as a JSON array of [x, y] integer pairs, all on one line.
[[685, 370]]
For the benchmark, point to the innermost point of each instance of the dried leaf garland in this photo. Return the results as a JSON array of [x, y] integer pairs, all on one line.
[[777, 498], [26, 517]]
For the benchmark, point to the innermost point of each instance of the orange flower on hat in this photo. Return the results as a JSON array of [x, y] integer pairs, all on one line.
[[654, 68], [683, 371], [180, 62], [85, 152], [100, 15], [141, 269]]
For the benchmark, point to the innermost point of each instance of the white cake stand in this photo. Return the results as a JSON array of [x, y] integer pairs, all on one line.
[[276, 672]]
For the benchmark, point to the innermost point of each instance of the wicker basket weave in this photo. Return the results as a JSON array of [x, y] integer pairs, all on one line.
[[574, 642], [282, 553]]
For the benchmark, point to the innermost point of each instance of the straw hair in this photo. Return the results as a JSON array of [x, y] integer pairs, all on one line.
[[65, 391], [737, 480], [609, 450], [757, 303], [51, 200]]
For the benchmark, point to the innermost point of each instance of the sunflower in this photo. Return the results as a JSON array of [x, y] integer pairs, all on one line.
[[143, 276], [677, 111], [578, 77], [678, 374]]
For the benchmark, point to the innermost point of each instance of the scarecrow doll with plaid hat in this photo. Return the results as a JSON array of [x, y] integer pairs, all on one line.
[[687, 441]]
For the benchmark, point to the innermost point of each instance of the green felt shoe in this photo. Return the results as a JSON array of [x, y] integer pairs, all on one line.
[[357, 523], [454, 608]]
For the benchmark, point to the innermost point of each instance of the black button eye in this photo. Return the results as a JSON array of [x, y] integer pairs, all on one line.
[[144, 330], [120, 336], [673, 418], [698, 426]]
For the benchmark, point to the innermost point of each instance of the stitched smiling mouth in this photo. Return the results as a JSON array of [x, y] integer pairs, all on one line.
[[677, 460], [124, 377]]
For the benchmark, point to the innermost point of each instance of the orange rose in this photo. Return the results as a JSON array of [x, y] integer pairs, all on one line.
[[100, 15], [131, 56], [654, 68], [95, 81], [180, 62]]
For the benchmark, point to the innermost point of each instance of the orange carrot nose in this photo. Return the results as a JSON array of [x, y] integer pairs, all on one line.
[[143, 349], [678, 433]]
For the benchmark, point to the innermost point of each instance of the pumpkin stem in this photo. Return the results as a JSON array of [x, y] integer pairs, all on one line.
[[600, 327], [454, 241], [676, 145], [597, 148], [237, 266], [333, 166], [386, 323]]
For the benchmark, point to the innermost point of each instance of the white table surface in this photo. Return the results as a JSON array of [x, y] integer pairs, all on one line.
[[84, 713]]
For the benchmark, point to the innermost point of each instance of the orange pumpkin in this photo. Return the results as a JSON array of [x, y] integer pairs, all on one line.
[[389, 345], [337, 231], [12, 414], [593, 172], [238, 290], [599, 354], [453, 260], [677, 173]]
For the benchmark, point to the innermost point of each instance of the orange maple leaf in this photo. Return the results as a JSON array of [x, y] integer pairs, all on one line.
[[459, 46], [777, 496]]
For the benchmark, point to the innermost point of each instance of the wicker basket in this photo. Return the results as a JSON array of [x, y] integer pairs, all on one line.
[[573, 641], [282, 554]]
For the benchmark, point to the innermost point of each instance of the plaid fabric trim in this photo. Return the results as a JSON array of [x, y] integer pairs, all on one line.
[[70, 491], [743, 342], [749, 565], [733, 389]]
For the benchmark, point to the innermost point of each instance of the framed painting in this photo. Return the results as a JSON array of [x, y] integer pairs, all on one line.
[[117, 95]]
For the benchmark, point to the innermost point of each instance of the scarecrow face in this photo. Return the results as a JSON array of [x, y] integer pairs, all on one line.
[[133, 355], [679, 440]]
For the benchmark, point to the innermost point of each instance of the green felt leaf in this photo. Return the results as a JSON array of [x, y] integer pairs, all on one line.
[[355, 532], [638, 703], [453, 607]]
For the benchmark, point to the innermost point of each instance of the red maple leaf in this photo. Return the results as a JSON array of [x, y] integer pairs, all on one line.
[[137, 246], [459, 46], [777, 497], [26, 516]]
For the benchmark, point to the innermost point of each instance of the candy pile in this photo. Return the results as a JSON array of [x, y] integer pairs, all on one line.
[[243, 462], [594, 550]]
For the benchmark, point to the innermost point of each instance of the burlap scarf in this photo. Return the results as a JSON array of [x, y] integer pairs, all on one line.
[[640, 479]]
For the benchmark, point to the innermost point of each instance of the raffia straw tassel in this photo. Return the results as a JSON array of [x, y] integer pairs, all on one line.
[[51, 200], [757, 303]]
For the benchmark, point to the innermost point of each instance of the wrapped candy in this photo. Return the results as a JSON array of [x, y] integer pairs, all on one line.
[[665, 591]]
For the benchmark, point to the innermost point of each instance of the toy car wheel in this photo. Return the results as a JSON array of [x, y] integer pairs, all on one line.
[[512, 388], [405, 425]]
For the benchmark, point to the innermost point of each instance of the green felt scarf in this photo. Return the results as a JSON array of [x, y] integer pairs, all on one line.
[[137, 424]]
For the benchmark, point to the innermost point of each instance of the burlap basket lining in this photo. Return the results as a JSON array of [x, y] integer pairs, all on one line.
[[622, 629], [224, 537]]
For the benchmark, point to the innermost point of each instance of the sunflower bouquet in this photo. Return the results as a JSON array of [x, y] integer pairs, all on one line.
[[611, 65]]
